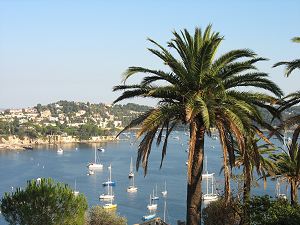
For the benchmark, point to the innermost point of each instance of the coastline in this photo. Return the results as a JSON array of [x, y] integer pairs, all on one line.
[[12, 143]]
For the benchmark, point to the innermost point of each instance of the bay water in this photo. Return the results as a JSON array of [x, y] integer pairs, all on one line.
[[16, 167]]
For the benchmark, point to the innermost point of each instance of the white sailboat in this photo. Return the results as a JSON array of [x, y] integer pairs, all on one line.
[[95, 165], [90, 172], [75, 192], [165, 211], [109, 181], [165, 192], [155, 196], [152, 206], [132, 188], [278, 192], [60, 151], [101, 149], [209, 196], [109, 194], [131, 173]]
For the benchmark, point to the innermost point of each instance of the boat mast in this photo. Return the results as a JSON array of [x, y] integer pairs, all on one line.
[[95, 156], [206, 175], [110, 172], [165, 206], [212, 185], [131, 166]]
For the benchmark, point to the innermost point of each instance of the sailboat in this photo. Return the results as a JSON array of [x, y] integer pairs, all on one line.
[[109, 194], [149, 217], [278, 193], [110, 205], [151, 205], [132, 188], [95, 165], [155, 196], [109, 181], [165, 212], [209, 196], [60, 151], [75, 192], [101, 149], [131, 173], [152, 208], [165, 192]]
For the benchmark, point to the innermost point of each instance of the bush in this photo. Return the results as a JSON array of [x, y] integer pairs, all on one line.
[[99, 216], [44, 202], [217, 213], [266, 211]]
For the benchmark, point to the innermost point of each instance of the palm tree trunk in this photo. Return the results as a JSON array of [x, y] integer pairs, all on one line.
[[227, 190], [195, 167], [294, 193], [247, 188]]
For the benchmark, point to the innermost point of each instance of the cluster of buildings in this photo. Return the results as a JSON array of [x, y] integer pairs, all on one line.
[[46, 118]]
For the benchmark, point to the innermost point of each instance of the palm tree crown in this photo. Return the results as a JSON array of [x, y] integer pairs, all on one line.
[[199, 90]]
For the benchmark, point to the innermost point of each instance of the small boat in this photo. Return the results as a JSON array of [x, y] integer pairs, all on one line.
[[90, 172], [132, 188], [131, 173], [109, 194], [155, 196], [165, 192], [60, 151], [151, 205], [209, 196], [101, 149], [278, 192], [95, 165], [109, 181], [110, 206], [75, 192], [28, 147], [149, 217]]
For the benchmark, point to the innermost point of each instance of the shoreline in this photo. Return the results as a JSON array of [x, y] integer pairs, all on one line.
[[14, 143]]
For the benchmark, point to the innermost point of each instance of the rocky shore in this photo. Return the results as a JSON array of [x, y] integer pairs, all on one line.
[[16, 143]]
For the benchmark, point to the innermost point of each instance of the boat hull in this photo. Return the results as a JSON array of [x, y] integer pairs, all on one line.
[[148, 217], [95, 166], [109, 183], [132, 189]]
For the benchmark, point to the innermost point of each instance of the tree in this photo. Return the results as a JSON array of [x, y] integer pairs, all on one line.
[[288, 167], [43, 202], [200, 91], [292, 65], [99, 216], [265, 211], [254, 157]]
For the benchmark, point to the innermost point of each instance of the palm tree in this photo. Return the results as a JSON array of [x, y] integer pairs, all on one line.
[[200, 91], [288, 167], [254, 157], [292, 65]]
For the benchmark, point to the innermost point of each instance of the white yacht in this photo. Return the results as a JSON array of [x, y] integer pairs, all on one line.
[[95, 165]]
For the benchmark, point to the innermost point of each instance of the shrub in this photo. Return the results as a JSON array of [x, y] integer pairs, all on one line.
[[218, 213], [99, 216], [44, 202], [266, 211]]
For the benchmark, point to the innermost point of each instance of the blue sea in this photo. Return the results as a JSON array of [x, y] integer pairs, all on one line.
[[16, 167]]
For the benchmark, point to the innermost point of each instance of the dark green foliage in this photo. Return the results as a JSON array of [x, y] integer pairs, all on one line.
[[99, 216], [45, 202], [265, 211]]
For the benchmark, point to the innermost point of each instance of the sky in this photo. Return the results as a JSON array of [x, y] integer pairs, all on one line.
[[78, 50]]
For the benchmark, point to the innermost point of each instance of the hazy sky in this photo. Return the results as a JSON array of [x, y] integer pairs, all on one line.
[[77, 50]]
